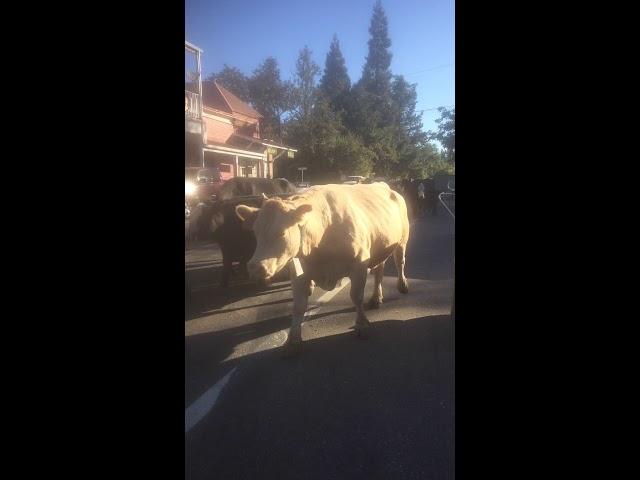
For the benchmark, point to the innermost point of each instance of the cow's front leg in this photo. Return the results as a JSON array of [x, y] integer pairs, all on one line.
[[358, 279], [376, 298], [300, 287]]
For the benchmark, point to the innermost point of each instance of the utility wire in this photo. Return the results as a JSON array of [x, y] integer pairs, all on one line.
[[435, 108], [430, 69]]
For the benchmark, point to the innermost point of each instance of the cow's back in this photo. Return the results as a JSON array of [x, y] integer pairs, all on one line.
[[361, 221]]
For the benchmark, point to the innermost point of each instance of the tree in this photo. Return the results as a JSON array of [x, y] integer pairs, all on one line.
[[369, 110], [270, 96], [304, 86], [300, 127], [446, 133], [429, 162], [409, 121], [335, 82], [311, 137], [408, 124], [376, 73], [233, 80], [349, 156]]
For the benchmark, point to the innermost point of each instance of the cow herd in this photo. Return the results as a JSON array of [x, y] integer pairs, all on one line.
[[328, 232]]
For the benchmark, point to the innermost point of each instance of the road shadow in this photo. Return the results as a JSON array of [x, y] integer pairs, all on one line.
[[204, 294], [430, 250], [344, 408], [205, 351]]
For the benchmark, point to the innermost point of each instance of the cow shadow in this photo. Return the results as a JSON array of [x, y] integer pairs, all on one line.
[[204, 293], [205, 351], [342, 408]]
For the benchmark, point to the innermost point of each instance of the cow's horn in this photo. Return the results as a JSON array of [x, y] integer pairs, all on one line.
[[264, 196]]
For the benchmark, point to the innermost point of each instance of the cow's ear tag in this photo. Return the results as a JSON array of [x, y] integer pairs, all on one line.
[[296, 267]]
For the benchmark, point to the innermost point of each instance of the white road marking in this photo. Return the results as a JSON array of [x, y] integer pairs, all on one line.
[[203, 405]]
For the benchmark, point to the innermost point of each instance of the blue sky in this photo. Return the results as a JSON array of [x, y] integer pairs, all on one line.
[[243, 33]]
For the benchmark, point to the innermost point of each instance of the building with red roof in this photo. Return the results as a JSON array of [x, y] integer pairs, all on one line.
[[229, 135]]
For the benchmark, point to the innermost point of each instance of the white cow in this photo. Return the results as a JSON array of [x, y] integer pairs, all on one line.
[[335, 231]]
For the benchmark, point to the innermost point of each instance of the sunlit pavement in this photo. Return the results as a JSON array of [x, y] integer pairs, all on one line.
[[343, 408]]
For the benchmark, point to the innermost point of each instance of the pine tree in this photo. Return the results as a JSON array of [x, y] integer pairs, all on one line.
[[335, 82], [304, 92], [376, 73]]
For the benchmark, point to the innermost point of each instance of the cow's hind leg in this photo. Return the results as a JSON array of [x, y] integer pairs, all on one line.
[[358, 279], [376, 298], [398, 257]]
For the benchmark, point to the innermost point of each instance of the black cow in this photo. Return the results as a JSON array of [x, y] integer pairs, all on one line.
[[218, 221], [430, 196], [409, 190], [241, 187], [237, 243]]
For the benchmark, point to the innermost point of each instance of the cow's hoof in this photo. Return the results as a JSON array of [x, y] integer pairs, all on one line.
[[363, 332], [374, 304], [291, 349], [403, 287]]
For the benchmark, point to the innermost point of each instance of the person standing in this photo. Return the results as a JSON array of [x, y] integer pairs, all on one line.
[[421, 198]]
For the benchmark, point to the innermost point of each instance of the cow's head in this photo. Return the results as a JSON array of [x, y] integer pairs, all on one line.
[[276, 226], [206, 219]]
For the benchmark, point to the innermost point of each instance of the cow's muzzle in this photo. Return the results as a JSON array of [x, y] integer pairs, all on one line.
[[258, 271]]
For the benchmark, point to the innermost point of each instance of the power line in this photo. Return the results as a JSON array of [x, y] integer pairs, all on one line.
[[430, 69], [435, 108]]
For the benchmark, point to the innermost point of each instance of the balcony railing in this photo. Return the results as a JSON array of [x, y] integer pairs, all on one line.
[[192, 105]]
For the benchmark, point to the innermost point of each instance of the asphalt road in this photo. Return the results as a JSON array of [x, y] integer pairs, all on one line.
[[343, 408]]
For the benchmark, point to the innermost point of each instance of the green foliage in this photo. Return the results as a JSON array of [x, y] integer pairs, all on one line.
[[350, 156], [304, 86], [446, 133], [335, 82], [376, 73], [429, 162], [270, 96], [344, 129]]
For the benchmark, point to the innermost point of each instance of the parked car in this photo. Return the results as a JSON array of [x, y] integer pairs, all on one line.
[[202, 184], [303, 184], [354, 180], [444, 182]]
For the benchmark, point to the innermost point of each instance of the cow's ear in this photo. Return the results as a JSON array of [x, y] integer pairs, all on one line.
[[247, 215], [300, 212]]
